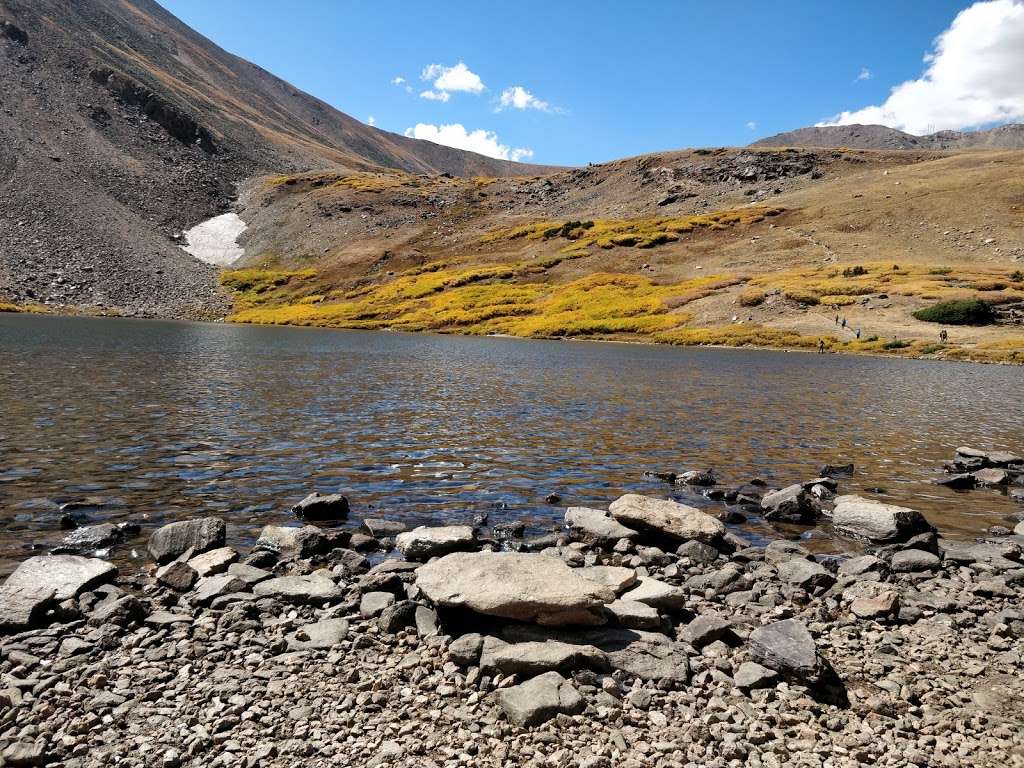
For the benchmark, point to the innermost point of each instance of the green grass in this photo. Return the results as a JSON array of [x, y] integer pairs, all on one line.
[[958, 312]]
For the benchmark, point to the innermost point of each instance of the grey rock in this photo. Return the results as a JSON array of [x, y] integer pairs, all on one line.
[[792, 504], [911, 560], [465, 651], [372, 604], [596, 526], [752, 675], [67, 575], [788, 648], [669, 518], [885, 604], [380, 528], [538, 700], [875, 521], [634, 615], [806, 574], [861, 566], [427, 624], [319, 506], [22, 606], [91, 538], [698, 552], [534, 658], [397, 617], [524, 587], [123, 611], [780, 550], [657, 594], [314, 588], [326, 633], [26, 754], [213, 562], [296, 543], [992, 476], [174, 539], [211, 587], [249, 574], [614, 577], [178, 576], [425, 542], [705, 629]]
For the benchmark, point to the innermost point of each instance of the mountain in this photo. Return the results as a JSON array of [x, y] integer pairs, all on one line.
[[882, 137], [121, 127]]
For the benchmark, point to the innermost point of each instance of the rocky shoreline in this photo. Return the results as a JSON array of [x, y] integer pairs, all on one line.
[[647, 634]]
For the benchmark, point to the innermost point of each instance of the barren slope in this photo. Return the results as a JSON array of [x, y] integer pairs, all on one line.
[[121, 127]]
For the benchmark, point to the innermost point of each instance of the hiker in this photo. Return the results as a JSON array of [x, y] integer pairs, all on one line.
[[943, 335], [821, 347], [844, 322], [837, 319], [857, 332]]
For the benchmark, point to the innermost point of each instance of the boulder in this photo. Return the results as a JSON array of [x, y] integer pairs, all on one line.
[[212, 587], [634, 615], [379, 528], [90, 538], [427, 622], [875, 521], [23, 606], [314, 588], [788, 648], [326, 633], [913, 560], [534, 658], [213, 562], [614, 577], [992, 476], [958, 481], [174, 539], [792, 504], [248, 573], [524, 587], [698, 552], [705, 629], [372, 604], [596, 526], [320, 506], [180, 577], [295, 543], [657, 594], [538, 700], [67, 575], [751, 675], [397, 617], [425, 542], [668, 518], [806, 574], [780, 550], [864, 565], [884, 605], [465, 651]]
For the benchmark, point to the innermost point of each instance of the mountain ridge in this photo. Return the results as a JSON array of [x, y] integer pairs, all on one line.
[[1008, 136]]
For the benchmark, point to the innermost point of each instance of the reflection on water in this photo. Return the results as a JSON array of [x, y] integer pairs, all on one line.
[[156, 420]]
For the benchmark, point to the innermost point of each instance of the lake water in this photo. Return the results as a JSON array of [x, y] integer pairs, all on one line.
[[155, 421]]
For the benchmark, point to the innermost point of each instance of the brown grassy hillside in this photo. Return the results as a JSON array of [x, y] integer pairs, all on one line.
[[722, 246]]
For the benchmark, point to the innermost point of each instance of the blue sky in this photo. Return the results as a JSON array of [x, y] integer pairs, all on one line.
[[616, 79]]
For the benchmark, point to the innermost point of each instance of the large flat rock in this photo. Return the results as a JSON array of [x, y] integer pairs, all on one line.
[[525, 587], [876, 521], [425, 542], [669, 518], [67, 575]]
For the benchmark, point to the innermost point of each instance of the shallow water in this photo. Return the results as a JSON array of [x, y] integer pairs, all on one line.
[[156, 421]]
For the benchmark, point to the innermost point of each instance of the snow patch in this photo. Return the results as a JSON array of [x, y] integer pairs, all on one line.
[[213, 241]]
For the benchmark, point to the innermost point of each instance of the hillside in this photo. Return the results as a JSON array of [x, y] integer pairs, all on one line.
[[726, 246], [122, 127], [882, 137]]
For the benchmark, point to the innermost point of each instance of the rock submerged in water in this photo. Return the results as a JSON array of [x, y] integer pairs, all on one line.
[[524, 587], [669, 518], [322, 506], [876, 521]]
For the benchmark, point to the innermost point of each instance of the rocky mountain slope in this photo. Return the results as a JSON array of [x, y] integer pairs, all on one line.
[[882, 137], [120, 127]]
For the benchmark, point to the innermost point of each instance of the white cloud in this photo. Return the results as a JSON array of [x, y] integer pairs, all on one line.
[[481, 141], [451, 79], [974, 76], [865, 74], [397, 80], [371, 120], [518, 97], [435, 95], [751, 126]]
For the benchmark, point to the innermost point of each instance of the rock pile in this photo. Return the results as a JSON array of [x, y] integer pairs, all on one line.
[[647, 635]]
